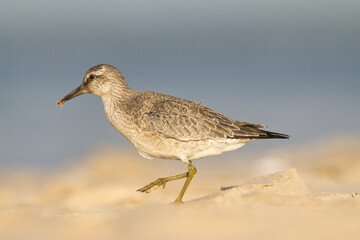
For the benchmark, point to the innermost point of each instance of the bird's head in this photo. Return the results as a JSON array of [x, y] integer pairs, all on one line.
[[99, 80]]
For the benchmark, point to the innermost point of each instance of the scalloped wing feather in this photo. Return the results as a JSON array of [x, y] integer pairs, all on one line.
[[192, 121]]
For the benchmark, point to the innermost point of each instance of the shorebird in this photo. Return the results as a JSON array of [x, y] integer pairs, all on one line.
[[164, 126]]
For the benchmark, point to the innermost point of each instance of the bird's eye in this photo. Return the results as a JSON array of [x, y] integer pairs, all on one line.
[[92, 77]]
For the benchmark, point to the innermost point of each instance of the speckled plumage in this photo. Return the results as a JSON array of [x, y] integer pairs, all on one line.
[[164, 126]]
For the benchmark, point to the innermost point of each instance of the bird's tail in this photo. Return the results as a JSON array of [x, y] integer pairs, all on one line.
[[275, 135]]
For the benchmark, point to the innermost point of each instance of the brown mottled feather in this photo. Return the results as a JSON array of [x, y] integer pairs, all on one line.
[[185, 120]]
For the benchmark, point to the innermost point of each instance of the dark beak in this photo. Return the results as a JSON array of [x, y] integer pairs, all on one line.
[[76, 92]]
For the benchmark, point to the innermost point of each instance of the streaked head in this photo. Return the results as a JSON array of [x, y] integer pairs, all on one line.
[[98, 80]]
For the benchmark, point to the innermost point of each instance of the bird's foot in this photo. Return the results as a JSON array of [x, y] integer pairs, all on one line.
[[178, 202], [154, 185]]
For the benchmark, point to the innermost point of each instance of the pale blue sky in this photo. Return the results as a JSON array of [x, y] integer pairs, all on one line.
[[292, 65]]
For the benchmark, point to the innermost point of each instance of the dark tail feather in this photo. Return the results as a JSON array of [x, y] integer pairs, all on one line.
[[275, 135]]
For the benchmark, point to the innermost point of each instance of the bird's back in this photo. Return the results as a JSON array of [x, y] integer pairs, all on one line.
[[188, 121]]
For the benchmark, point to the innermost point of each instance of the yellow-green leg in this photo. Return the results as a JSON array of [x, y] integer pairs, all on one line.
[[190, 175], [162, 181]]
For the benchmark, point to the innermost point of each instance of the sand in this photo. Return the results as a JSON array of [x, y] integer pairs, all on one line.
[[307, 192]]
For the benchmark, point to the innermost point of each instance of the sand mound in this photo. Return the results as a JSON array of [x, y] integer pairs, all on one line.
[[281, 188], [286, 183]]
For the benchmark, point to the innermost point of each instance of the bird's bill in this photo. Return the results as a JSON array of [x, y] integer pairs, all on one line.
[[76, 92]]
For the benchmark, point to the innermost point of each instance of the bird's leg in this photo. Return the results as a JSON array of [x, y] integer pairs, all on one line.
[[190, 175], [161, 182]]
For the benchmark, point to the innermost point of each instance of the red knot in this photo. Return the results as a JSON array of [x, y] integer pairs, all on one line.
[[164, 126]]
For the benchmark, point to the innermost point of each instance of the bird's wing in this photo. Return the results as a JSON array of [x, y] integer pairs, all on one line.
[[186, 121]]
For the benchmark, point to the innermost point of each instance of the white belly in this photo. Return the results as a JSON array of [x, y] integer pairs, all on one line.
[[187, 150]]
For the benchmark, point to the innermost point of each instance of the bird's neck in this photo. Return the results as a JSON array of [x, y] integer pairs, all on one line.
[[117, 95], [116, 105]]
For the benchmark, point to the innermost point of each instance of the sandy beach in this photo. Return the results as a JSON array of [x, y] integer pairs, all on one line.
[[307, 192]]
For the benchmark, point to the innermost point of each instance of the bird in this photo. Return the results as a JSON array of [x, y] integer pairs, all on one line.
[[164, 126]]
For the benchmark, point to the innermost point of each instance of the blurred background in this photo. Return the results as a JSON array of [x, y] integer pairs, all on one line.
[[292, 65]]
